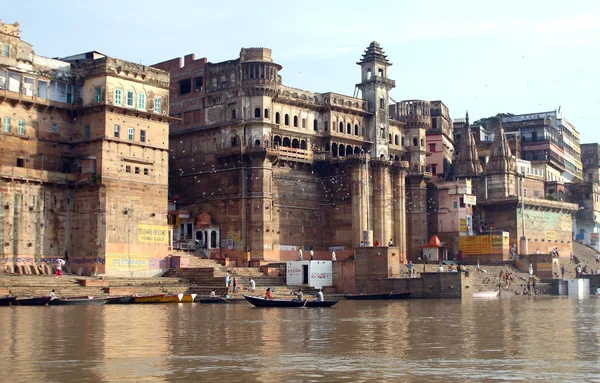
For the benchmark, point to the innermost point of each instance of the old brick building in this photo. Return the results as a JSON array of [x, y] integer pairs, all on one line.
[[280, 168], [83, 160]]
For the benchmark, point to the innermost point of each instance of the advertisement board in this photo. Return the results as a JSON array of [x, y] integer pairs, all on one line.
[[486, 244]]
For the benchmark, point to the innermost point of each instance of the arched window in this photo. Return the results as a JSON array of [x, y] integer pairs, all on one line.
[[233, 141], [266, 113], [422, 142], [415, 168], [303, 144], [402, 141], [286, 142], [256, 112], [415, 142], [315, 125], [349, 128], [286, 120], [257, 143], [295, 143], [334, 149], [356, 150], [342, 151], [396, 158], [341, 127], [295, 121], [396, 140], [233, 114], [277, 141], [356, 130], [327, 147], [277, 118], [326, 125]]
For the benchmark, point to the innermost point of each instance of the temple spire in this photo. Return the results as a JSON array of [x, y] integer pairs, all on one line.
[[467, 165], [501, 158]]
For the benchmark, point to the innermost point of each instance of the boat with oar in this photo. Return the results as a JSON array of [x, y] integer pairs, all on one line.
[[262, 302], [8, 301], [387, 296], [32, 301], [146, 298], [78, 301]]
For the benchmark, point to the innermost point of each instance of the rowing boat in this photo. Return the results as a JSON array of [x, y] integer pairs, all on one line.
[[35, 301], [261, 302], [77, 301], [170, 299], [377, 296], [146, 298], [212, 300], [119, 299], [187, 298]]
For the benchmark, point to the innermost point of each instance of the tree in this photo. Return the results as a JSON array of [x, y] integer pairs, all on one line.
[[485, 122]]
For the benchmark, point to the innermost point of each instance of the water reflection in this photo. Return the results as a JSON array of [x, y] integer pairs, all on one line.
[[546, 339]]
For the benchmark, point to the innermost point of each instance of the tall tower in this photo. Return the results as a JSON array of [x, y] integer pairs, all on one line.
[[501, 168], [467, 164], [375, 88]]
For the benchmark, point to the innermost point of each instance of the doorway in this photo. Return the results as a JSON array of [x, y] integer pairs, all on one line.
[[305, 274]]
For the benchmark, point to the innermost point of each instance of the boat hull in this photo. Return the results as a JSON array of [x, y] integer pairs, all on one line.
[[211, 301], [486, 294], [170, 299], [119, 300], [78, 301], [8, 301], [37, 301], [377, 296], [261, 302], [146, 298]]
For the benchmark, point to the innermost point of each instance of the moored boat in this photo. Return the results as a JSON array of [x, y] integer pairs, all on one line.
[[146, 298], [387, 296], [119, 299], [7, 301], [78, 301], [487, 294], [33, 301], [170, 299], [187, 298], [212, 300], [262, 302]]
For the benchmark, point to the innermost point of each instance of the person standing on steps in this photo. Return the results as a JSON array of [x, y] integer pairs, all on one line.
[[59, 265], [299, 254], [333, 257], [312, 254], [410, 267], [227, 279], [562, 271], [251, 285]]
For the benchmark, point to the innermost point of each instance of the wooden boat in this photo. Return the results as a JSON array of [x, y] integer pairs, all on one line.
[[262, 302], [377, 296], [119, 299], [7, 301], [146, 298], [487, 294], [170, 299], [35, 301], [187, 298], [77, 301]]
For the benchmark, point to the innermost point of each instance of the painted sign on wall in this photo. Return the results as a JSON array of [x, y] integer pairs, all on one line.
[[487, 244], [125, 262], [153, 234], [320, 274]]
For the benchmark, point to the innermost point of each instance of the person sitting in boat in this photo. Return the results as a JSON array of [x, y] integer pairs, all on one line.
[[319, 296], [213, 295], [52, 295], [268, 294], [225, 295], [299, 296]]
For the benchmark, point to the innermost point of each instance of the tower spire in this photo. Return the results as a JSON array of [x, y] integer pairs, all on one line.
[[468, 164]]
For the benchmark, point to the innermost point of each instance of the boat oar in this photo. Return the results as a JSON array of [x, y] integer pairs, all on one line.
[[305, 302]]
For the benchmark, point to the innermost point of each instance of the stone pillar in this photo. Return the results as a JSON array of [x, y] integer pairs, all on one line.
[[416, 217], [359, 203], [218, 241], [209, 237], [382, 202], [400, 210]]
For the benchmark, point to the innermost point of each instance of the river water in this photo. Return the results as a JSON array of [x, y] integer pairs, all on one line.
[[517, 338]]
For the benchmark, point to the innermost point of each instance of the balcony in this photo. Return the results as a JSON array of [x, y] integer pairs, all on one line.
[[41, 176]]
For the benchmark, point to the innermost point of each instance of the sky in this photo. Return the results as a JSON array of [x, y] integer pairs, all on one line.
[[509, 56]]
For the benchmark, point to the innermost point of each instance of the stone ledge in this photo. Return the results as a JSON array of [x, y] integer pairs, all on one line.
[[93, 283]]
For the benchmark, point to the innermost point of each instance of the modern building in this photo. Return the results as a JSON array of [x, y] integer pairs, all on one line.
[[83, 164], [279, 168], [440, 141]]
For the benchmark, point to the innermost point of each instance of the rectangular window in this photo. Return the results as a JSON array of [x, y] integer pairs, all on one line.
[[5, 50], [137, 170], [130, 99], [185, 86], [127, 169], [118, 96], [20, 163], [455, 205], [198, 83], [86, 132], [117, 128], [432, 148], [6, 125], [434, 169], [145, 171], [304, 123], [142, 136], [381, 103], [21, 129], [42, 89], [141, 101], [130, 134], [156, 104], [54, 127], [97, 94]]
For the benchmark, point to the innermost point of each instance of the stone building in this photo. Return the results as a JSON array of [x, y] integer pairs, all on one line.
[[279, 168], [83, 160]]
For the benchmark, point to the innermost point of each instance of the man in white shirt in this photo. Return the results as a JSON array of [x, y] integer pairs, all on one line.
[[312, 254], [59, 265], [213, 295], [52, 295], [320, 296], [440, 268], [251, 285], [299, 254], [333, 257]]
